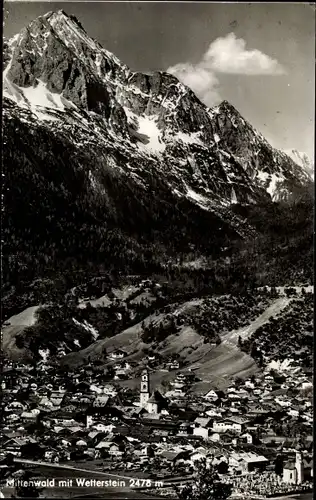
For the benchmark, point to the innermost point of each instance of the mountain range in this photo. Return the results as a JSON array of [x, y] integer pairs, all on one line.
[[108, 168], [302, 159]]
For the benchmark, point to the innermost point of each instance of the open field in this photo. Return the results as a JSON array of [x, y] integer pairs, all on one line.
[[25, 318], [16, 325]]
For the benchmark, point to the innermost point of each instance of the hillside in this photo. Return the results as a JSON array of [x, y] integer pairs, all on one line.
[[288, 335], [148, 311], [213, 336]]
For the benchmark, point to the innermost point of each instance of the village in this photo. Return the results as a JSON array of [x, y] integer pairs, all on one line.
[[257, 433]]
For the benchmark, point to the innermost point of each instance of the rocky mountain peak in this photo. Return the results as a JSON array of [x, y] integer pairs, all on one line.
[[226, 107], [212, 155], [53, 36], [70, 31], [63, 17], [302, 159], [53, 57]]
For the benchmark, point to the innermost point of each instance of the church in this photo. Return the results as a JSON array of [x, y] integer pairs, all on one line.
[[153, 402], [297, 472]]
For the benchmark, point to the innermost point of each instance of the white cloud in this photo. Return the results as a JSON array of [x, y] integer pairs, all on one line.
[[224, 55], [202, 81], [229, 55]]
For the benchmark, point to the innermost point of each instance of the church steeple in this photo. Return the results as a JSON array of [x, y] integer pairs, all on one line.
[[144, 388], [299, 466]]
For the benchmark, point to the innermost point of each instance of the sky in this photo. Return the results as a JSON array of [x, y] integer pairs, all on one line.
[[258, 56]]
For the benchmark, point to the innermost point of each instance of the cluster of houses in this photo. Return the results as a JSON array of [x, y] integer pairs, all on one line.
[[243, 431], [123, 369]]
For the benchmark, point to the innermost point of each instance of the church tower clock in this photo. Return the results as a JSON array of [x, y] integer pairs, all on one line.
[[144, 388]]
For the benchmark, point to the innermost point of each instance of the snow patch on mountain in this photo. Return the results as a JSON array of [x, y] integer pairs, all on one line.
[[212, 112], [272, 188], [301, 159], [150, 139], [189, 138], [69, 31], [148, 127], [36, 98], [270, 182], [233, 197], [201, 200], [40, 96]]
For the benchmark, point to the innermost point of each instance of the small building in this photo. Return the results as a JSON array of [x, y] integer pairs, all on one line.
[[203, 432], [184, 429], [197, 455], [293, 472], [119, 354], [212, 395], [248, 462], [101, 401], [170, 456], [247, 437], [236, 424], [289, 473], [30, 416], [156, 403], [145, 451], [15, 445], [173, 365]]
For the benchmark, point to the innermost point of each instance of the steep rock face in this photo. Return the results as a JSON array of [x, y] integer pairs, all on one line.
[[210, 156], [303, 160], [113, 156], [49, 53], [276, 172]]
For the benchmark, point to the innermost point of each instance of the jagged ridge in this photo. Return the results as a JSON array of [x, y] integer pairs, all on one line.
[[152, 164], [210, 155]]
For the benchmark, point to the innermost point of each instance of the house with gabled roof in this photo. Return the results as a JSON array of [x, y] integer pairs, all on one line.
[[15, 444], [101, 401], [212, 395], [185, 428], [171, 456], [30, 416], [115, 449], [206, 422], [197, 455], [144, 450], [247, 461]]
